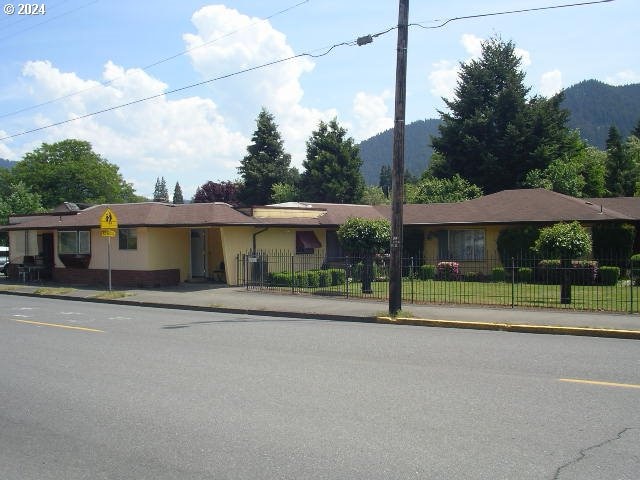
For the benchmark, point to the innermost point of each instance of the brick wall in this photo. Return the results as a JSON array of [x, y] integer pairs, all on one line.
[[121, 278]]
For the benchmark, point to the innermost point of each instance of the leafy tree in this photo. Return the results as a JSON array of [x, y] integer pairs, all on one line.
[[493, 134], [365, 237], [442, 190], [564, 241], [332, 167], [373, 195], [160, 192], [19, 200], [211, 192], [593, 171], [265, 164], [517, 242], [621, 172], [177, 195], [70, 171], [385, 179], [284, 192]]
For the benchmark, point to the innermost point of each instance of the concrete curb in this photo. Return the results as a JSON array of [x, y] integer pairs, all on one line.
[[421, 322], [518, 328]]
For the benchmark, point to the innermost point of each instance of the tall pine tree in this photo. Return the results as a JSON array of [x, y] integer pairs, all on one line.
[[493, 134], [621, 172], [160, 192], [265, 164], [332, 167], [177, 195]]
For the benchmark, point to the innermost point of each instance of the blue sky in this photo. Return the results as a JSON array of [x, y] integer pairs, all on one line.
[[98, 54]]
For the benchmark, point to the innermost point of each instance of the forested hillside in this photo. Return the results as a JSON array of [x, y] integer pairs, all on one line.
[[6, 163], [377, 151], [594, 107]]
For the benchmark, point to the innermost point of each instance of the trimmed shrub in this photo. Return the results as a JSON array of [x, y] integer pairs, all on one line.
[[524, 274], [470, 276], [635, 267], [548, 272], [448, 270], [584, 272], [300, 279], [338, 276], [609, 275], [498, 274], [324, 278], [313, 279], [427, 272], [280, 279]]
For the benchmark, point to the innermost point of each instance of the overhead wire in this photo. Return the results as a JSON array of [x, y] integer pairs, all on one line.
[[293, 57], [151, 65]]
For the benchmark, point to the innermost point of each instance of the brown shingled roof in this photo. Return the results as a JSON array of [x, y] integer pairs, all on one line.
[[142, 214], [511, 206]]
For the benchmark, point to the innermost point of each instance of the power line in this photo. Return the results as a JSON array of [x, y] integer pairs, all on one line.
[[180, 89], [359, 41], [508, 12], [151, 65]]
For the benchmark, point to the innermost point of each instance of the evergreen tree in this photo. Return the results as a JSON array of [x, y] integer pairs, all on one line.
[[493, 134], [266, 163], [621, 174], [332, 167], [177, 195], [385, 179], [636, 131], [160, 192]]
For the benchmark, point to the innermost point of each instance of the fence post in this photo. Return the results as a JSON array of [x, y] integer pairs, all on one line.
[[411, 276], [293, 276], [631, 286], [346, 274], [513, 282]]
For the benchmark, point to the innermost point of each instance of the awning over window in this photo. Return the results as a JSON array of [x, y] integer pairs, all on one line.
[[307, 240]]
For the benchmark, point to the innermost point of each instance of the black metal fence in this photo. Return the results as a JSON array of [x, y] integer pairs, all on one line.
[[604, 285]]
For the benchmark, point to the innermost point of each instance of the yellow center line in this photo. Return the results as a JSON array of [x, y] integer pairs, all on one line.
[[69, 327], [603, 384]]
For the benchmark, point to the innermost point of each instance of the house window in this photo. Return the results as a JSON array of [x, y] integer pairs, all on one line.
[[74, 242], [127, 239], [334, 249], [306, 242], [466, 244]]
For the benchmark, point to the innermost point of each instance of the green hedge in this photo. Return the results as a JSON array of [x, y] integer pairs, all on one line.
[[427, 272], [609, 275], [498, 275], [525, 274]]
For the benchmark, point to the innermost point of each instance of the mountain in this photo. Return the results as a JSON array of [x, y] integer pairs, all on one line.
[[378, 150], [6, 163], [594, 107]]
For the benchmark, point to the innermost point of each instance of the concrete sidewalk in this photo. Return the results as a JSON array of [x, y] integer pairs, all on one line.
[[211, 297]]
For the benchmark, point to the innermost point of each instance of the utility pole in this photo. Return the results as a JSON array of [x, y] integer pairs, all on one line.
[[397, 171]]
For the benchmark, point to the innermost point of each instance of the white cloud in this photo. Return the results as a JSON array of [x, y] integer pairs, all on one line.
[[371, 114], [444, 78], [184, 140], [5, 151], [551, 83], [624, 77], [224, 44], [525, 57], [472, 44]]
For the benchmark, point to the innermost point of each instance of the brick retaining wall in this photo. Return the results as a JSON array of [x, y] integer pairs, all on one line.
[[121, 278]]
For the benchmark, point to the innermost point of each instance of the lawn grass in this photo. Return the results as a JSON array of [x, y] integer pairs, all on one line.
[[616, 298]]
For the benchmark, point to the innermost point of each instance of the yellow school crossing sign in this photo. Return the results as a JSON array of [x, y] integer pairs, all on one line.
[[108, 226], [108, 220]]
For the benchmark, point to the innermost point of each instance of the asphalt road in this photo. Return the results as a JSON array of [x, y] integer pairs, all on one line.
[[135, 393]]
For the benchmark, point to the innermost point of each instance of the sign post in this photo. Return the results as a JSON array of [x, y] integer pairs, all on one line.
[[108, 227]]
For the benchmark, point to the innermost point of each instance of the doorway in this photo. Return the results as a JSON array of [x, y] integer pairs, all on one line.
[[198, 253]]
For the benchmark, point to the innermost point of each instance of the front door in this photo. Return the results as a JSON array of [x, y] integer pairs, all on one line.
[[198, 253]]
